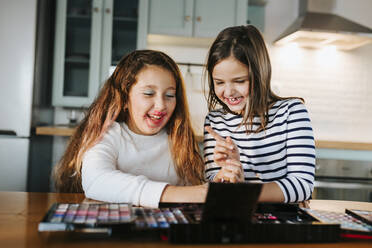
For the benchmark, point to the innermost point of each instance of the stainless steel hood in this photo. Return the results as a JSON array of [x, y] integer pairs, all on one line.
[[313, 29]]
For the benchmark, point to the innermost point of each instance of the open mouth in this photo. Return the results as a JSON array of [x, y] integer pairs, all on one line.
[[156, 119], [233, 100]]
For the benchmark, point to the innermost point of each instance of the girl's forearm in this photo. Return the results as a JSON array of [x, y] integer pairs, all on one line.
[[184, 193], [271, 192]]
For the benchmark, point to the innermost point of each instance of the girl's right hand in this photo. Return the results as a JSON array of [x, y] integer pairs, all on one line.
[[224, 149]]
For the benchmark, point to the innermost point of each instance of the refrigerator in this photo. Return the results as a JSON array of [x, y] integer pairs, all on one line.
[[18, 20]]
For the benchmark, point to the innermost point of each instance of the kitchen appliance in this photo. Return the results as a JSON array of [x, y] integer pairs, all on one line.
[[24, 157], [313, 29], [17, 49], [343, 180]]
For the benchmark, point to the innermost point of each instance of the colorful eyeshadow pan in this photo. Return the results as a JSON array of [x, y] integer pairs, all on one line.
[[113, 213], [346, 221]]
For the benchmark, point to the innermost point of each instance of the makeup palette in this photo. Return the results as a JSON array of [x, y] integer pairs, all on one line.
[[65, 216], [352, 221], [226, 217], [183, 223], [69, 217], [363, 215]]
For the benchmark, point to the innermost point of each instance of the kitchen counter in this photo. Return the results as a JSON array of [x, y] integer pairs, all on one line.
[[61, 130], [20, 213]]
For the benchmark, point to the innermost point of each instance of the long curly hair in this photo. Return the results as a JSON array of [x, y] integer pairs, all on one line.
[[246, 44], [109, 107]]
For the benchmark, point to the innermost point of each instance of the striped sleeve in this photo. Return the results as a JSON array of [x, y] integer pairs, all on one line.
[[211, 169], [298, 184]]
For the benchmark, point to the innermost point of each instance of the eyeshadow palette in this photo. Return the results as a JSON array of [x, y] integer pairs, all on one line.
[[69, 217], [65, 217], [348, 222], [226, 217], [363, 215], [183, 223]]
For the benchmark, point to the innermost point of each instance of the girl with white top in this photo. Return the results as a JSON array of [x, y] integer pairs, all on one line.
[[136, 143], [251, 134]]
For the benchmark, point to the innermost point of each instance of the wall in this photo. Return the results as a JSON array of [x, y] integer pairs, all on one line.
[[336, 85]]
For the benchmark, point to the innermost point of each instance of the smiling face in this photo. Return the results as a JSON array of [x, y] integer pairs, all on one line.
[[231, 83], [152, 100]]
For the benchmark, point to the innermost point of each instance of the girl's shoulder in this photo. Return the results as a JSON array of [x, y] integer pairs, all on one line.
[[221, 116], [216, 113], [288, 104], [113, 133], [114, 128]]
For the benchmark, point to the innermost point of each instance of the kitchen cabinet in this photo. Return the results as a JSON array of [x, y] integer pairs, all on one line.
[[91, 36], [195, 18], [256, 13]]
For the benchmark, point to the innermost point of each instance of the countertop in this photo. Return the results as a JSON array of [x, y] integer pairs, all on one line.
[[20, 213], [61, 130]]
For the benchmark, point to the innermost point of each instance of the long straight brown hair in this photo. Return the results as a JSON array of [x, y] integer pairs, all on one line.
[[246, 44], [109, 107]]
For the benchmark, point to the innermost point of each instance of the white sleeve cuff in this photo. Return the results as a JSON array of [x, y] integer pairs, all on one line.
[[151, 193]]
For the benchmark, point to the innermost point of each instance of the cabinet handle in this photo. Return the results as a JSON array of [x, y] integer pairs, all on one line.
[[96, 9], [187, 18], [108, 11], [198, 18]]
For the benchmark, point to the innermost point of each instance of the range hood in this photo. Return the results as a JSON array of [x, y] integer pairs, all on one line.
[[316, 30]]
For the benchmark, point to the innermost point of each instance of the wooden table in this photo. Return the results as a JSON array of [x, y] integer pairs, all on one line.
[[20, 213]]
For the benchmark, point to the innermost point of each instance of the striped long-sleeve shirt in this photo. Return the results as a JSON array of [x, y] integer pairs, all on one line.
[[283, 153]]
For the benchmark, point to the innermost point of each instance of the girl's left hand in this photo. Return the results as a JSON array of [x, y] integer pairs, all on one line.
[[231, 171]]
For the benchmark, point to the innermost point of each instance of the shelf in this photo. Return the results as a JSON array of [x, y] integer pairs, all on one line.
[[77, 59], [343, 145], [55, 130], [125, 19], [79, 16]]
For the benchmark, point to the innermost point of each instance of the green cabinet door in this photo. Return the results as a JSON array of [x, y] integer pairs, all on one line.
[[172, 17], [195, 18], [211, 16]]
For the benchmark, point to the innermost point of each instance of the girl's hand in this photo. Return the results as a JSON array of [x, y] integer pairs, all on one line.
[[224, 149], [231, 171]]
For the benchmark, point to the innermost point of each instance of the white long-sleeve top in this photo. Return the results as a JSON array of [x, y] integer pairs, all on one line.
[[127, 167], [283, 153]]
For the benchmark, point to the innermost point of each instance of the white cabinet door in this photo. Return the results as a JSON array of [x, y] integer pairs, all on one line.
[[211, 16], [171, 17], [77, 52], [92, 36], [13, 163], [195, 18]]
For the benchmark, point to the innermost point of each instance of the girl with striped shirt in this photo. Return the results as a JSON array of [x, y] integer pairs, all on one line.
[[251, 134]]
